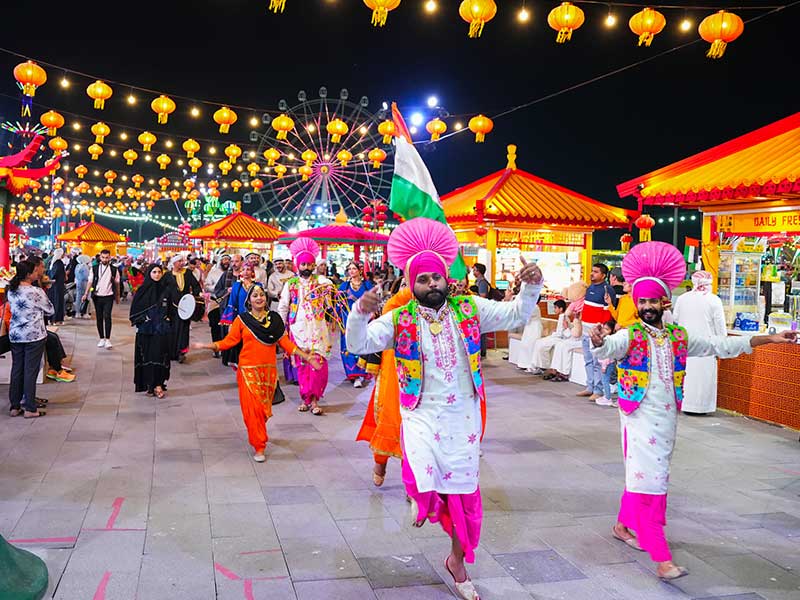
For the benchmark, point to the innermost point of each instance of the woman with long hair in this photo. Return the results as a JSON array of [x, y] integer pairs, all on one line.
[[28, 336], [236, 306], [152, 313], [353, 289], [258, 330]]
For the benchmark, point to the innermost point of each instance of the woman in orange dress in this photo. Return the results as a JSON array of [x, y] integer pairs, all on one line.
[[381, 425], [258, 330]]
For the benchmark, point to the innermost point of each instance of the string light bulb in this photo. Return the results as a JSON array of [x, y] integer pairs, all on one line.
[[611, 20], [64, 82], [131, 99], [212, 150], [195, 112], [254, 122], [524, 15], [686, 25], [123, 136], [76, 126], [458, 126], [431, 6]]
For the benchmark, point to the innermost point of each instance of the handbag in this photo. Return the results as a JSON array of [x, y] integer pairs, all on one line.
[[84, 306], [5, 344]]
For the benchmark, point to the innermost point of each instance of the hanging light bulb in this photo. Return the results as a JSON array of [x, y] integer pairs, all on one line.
[[524, 15], [611, 20], [431, 6], [131, 99], [686, 25]]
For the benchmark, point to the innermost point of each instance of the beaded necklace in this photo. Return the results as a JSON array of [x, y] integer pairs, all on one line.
[[663, 352]]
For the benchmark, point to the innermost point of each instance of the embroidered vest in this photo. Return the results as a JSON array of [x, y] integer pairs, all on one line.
[[634, 372], [407, 351], [294, 298]]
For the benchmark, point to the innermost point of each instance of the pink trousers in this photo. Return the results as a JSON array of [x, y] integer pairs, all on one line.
[[646, 515], [457, 513], [312, 382]]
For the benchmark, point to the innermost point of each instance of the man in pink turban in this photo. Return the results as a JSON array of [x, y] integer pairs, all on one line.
[[701, 313], [305, 302], [436, 339], [652, 359]]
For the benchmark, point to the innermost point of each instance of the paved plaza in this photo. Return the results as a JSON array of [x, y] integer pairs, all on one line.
[[129, 497]]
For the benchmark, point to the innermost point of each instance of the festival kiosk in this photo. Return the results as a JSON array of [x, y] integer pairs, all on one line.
[[748, 190]]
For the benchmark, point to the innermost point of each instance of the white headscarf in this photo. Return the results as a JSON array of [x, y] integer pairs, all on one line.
[[702, 281]]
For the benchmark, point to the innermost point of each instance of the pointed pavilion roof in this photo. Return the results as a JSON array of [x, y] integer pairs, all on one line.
[[515, 197], [91, 232], [339, 232], [762, 165], [236, 227]]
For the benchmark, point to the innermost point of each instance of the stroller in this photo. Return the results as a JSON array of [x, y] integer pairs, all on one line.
[[70, 306]]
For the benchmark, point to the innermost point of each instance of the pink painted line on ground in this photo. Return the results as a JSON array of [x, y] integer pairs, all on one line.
[[53, 540], [100, 594], [226, 572], [259, 552], [248, 590], [117, 507], [790, 472]]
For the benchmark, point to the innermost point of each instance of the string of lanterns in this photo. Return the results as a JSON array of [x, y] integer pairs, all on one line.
[[718, 29]]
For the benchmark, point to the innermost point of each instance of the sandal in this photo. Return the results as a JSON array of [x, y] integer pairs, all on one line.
[[316, 411], [377, 478], [674, 573], [159, 392], [631, 541], [33, 415], [303, 408], [465, 589], [549, 376]]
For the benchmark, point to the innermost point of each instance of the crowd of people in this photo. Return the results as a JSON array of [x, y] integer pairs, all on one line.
[[420, 336]]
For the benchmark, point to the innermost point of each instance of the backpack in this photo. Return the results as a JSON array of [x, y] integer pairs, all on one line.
[[495, 294]]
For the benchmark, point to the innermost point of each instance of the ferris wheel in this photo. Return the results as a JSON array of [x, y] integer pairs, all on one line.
[[320, 156]]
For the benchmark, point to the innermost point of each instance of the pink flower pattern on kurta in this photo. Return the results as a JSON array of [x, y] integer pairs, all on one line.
[[451, 399], [473, 437], [652, 441]]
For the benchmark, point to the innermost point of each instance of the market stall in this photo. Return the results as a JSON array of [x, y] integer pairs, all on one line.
[[92, 237], [237, 231], [748, 190], [512, 212], [341, 242]]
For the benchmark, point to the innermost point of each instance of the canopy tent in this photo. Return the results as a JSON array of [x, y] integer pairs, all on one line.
[[92, 238], [339, 232], [514, 208], [236, 227]]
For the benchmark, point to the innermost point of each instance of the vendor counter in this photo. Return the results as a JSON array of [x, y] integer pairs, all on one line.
[[764, 385]]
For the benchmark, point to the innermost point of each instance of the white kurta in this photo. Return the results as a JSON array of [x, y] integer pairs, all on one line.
[[531, 333], [649, 432], [310, 331], [441, 436], [702, 315]]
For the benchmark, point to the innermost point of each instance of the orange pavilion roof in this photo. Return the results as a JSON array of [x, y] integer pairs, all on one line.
[[762, 165], [91, 232], [237, 227], [514, 197]]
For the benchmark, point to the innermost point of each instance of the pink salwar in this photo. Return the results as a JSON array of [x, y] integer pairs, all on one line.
[[462, 512], [646, 514], [312, 382]]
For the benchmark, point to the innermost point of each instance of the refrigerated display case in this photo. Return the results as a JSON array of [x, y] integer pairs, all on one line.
[[739, 283]]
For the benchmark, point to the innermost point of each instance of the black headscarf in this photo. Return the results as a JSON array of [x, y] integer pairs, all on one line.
[[267, 330], [151, 293]]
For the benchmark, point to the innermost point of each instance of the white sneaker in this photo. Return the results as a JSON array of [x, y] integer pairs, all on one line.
[[603, 401], [358, 383], [108, 345], [101, 343], [259, 458]]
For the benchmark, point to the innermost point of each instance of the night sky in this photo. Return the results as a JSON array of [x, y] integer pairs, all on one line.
[[589, 139]]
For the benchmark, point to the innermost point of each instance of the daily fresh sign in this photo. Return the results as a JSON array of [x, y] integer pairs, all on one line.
[[754, 223]]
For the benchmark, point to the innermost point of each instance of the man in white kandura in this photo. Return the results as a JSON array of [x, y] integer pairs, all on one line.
[[701, 313], [437, 345], [652, 358]]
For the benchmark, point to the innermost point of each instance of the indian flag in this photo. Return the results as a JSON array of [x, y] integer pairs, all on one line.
[[413, 192]]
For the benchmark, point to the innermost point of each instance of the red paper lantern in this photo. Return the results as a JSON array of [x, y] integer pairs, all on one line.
[[481, 230], [645, 224]]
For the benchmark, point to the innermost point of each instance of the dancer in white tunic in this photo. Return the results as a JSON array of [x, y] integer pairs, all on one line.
[[652, 366], [436, 340], [700, 312]]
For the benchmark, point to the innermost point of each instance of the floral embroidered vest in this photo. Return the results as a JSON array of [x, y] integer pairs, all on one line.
[[407, 351], [294, 298], [634, 371]]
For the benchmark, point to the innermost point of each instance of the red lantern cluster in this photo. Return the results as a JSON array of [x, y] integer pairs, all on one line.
[[374, 213]]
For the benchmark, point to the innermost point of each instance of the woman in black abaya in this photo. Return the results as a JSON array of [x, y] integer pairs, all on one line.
[[152, 313]]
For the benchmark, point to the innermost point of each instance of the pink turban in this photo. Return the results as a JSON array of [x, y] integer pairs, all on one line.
[[655, 268], [304, 250], [422, 246]]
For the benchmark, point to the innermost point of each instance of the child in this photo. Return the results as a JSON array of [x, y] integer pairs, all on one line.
[[607, 367]]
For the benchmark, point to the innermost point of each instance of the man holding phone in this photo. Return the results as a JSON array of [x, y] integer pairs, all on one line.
[[599, 296]]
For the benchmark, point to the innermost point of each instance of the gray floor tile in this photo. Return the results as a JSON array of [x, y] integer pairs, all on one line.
[[429, 592], [398, 571], [540, 566], [319, 558], [334, 589], [303, 520], [300, 494]]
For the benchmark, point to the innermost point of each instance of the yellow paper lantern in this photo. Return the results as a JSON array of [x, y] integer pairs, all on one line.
[[190, 146], [58, 145], [236, 185], [225, 166], [436, 128], [565, 19], [387, 129], [147, 139], [253, 169], [283, 125], [225, 117], [280, 171], [380, 10], [480, 126], [233, 152], [377, 156], [647, 23], [99, 91], [336, 129], [719, 30], [163, 160], [130, 156], [306, 172], [53, 121], [163, 106], [271, 155], [110, 176], [195, 164], [95, 150], [477, 13], [80, 171], [164, 183], [137, 180], [309, 156], [100, 131], [344, 156]]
